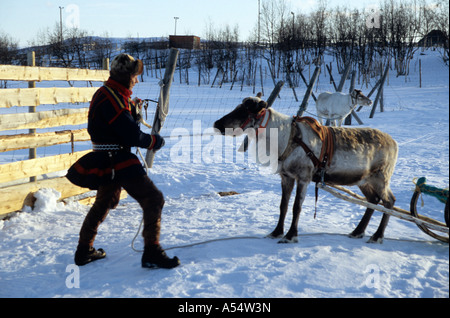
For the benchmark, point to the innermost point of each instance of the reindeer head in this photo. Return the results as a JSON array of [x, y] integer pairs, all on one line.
[[246, 115], [359, 98]]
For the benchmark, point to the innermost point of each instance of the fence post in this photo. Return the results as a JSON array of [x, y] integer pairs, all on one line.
[[304, 104], [344, 77], [105, 65], [291, 85], [234, 79], [420, 73], [306, 83], [31, 61], [261, 76], [380, 91], [243, 78], [254, 79], [215, 77], [163, 105], [331, 76], [199, 73]]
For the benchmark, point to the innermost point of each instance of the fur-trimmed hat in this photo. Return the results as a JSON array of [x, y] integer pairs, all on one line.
[[124, 66]]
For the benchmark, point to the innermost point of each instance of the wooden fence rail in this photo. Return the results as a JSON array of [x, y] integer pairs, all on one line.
[[44, 119], [26, 141], [39, 166], [34, 73], [47, 96], [14, 197]]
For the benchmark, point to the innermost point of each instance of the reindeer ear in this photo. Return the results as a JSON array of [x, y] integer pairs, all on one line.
[[257, 106], [262, 104], [248, 103], [254, 105]]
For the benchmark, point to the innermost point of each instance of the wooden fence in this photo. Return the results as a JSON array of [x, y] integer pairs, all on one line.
[[15, 197]]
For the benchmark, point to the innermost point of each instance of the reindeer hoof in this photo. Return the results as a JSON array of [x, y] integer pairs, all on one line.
[[356, 236], [273, 235], [373, 240], [285, 240]]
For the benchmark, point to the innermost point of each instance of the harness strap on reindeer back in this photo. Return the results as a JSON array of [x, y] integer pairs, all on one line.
[[326, 135]]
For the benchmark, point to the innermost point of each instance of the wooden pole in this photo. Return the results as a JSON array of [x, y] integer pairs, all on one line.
[[344, 77], [261, 76], [274, 94], [291, 85], [396, 212], [374, 88], [254, 78], [224, 73], [31, 61], [215, 77], [306, 83], [331, 77], [163, 105], [308, 93], [420, 73], [380, 91], [187, 74], [234, 79], [105, 65]]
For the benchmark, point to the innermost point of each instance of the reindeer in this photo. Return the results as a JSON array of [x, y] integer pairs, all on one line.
[[337, 106], [308, 151]]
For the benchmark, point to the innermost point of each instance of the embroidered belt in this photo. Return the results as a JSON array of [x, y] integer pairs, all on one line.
[[107, 147]]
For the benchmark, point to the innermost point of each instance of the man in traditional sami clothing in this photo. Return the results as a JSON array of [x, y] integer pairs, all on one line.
[[114, 129]]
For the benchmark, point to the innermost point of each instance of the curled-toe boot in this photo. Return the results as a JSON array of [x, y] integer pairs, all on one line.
[[86, 254], [155, 257]]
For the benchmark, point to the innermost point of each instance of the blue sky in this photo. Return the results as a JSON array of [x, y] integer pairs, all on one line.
[[23, 19]]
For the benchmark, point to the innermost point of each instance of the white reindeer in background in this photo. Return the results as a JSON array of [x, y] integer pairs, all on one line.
[[337, 106]]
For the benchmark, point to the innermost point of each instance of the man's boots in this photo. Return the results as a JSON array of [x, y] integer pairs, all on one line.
[[86, 254], [155, 257]]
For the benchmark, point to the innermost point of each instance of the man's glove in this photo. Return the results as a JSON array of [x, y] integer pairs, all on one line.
[[138, 103], [157, 142]]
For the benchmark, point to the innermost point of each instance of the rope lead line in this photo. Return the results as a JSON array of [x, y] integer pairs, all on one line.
[[200, 243], [182, 246]]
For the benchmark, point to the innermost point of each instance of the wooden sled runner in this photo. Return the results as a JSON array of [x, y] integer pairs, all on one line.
[[426, 224]]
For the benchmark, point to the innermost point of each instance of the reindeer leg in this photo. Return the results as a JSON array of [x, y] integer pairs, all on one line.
[[388, 203], [379, 234], [361, 228], [287, 184], [372, 198], [291, 236]]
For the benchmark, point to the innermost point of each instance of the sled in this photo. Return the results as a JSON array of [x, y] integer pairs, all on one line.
[[439, 194], [426, 224]]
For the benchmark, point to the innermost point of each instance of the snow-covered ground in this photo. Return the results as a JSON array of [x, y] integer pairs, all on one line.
[[37, 246]]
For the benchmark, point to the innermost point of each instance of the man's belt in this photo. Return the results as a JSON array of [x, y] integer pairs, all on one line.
[[107, 147]]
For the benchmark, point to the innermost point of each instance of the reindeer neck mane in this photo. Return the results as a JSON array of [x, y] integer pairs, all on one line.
[[278, 119]]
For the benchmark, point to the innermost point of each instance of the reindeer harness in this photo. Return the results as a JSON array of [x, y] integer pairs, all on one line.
[[326, 135]]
